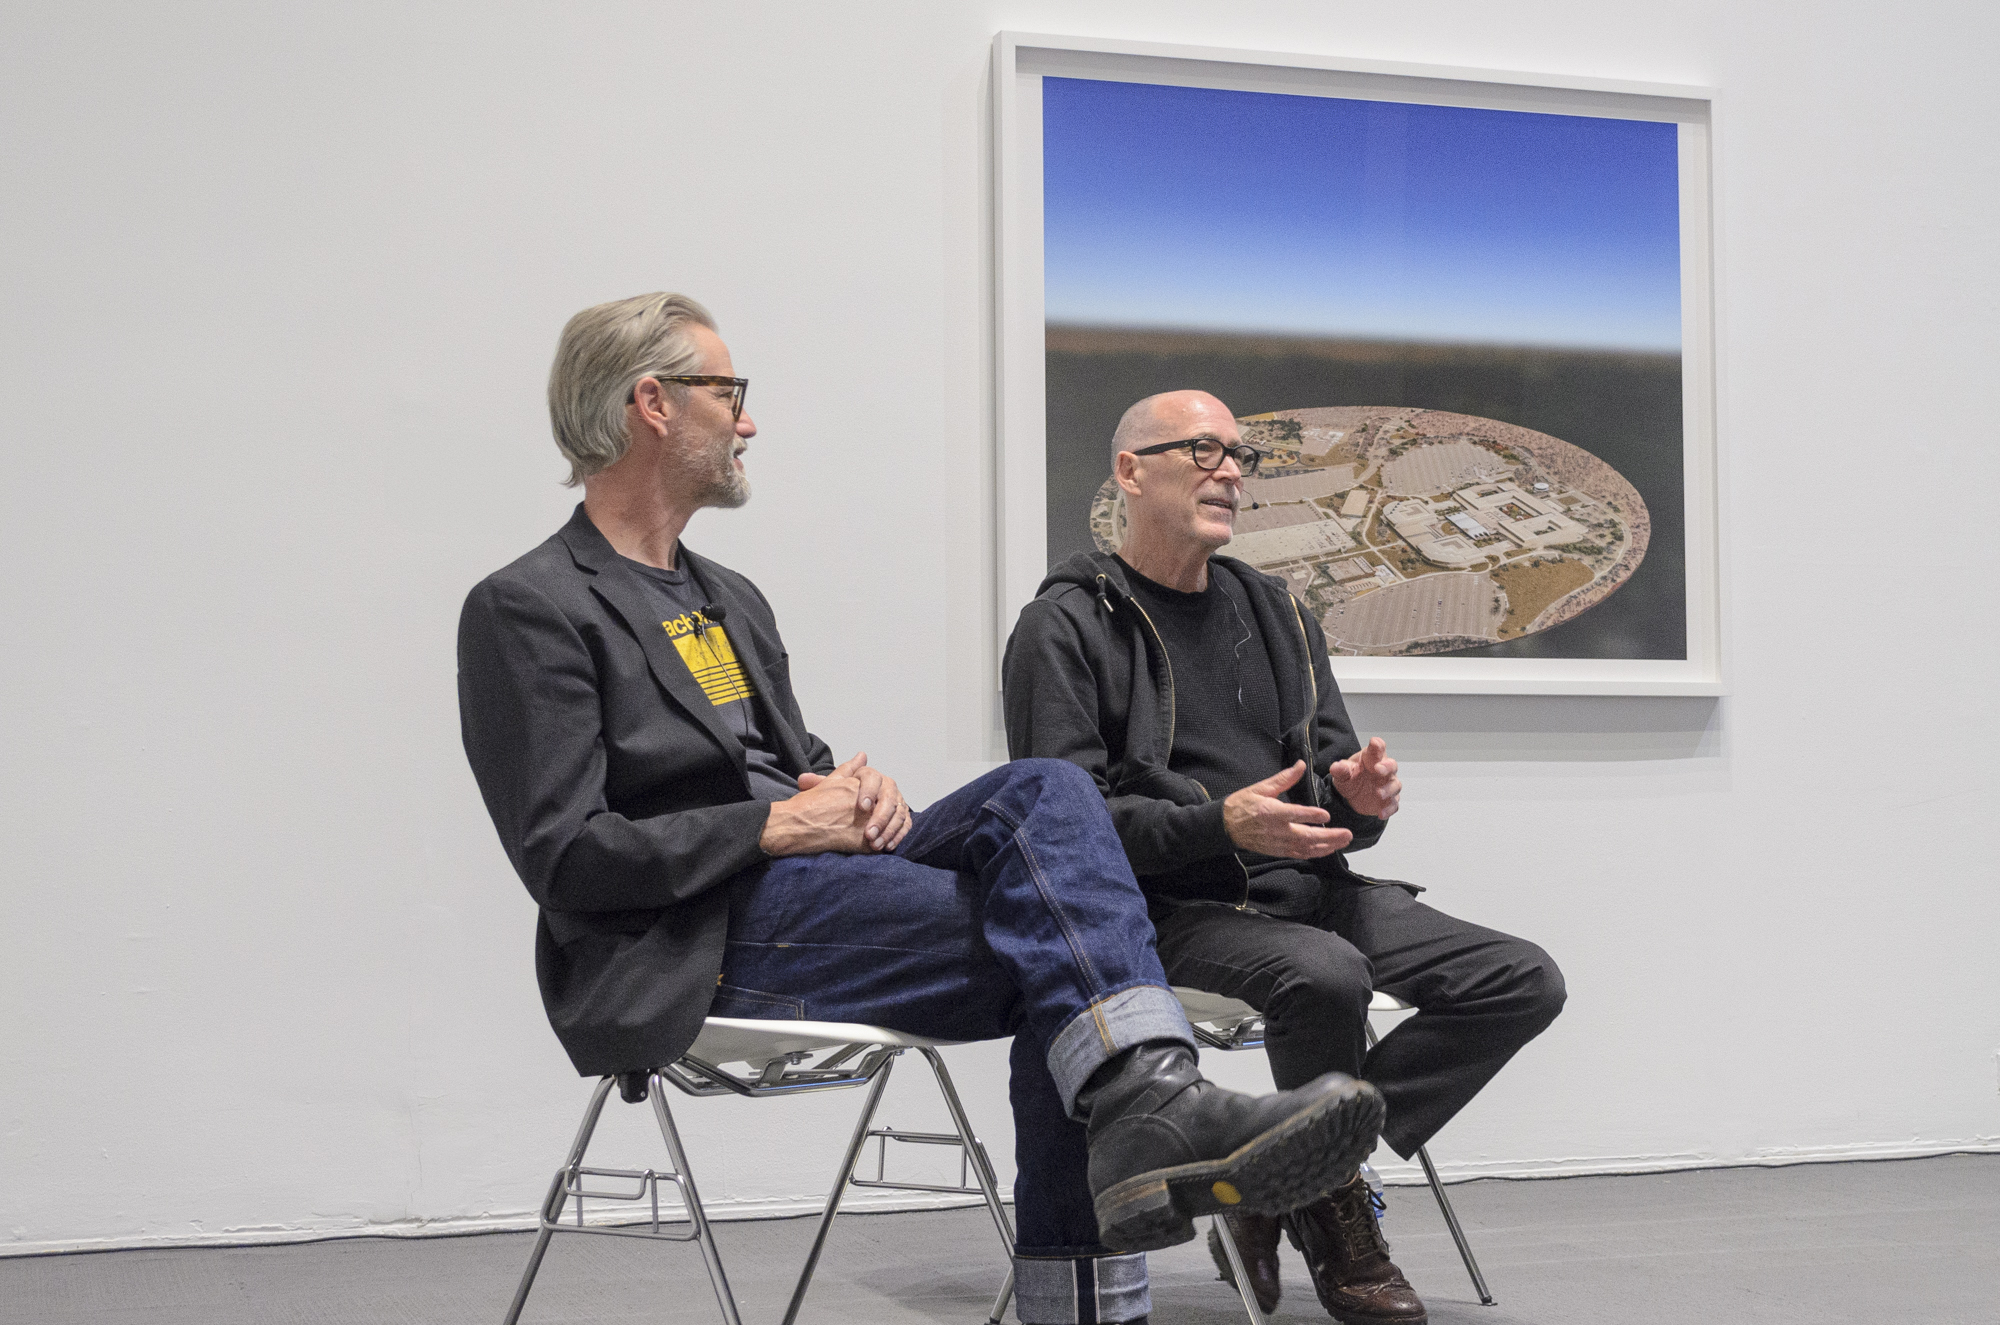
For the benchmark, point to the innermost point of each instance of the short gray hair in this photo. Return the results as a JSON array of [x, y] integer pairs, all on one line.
[[1135, 426], [603, 353]]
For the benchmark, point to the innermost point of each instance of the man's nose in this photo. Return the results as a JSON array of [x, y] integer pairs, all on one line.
[[746, 427]]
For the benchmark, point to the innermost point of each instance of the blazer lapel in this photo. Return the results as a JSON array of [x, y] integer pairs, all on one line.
[[791, 751]]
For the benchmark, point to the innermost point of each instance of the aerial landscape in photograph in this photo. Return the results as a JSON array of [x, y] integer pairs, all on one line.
[[1415, 531], [1456, 330]]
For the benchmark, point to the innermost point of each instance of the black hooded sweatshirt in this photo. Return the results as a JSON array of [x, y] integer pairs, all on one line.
[[1087, 679]]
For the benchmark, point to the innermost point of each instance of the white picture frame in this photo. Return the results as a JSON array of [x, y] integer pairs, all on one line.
[[1022, 60]]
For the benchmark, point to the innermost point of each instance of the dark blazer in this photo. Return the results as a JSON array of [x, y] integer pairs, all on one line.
[[619, 794]]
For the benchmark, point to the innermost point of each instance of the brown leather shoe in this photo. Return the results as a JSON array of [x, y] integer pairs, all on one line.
[[1357, 1282], [1257, 1243]]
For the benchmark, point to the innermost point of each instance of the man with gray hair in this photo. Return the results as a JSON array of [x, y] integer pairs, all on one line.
[[628, 712], [1196, 692]]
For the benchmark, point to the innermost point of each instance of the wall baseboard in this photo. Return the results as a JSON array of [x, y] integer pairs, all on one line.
[[1397, 1174], [513, 1221], [1409, 1174]]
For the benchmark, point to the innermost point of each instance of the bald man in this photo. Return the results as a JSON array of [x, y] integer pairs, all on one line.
[[1196, 691]]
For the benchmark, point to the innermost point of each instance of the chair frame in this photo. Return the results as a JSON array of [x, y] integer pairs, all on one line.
[[797, 1072], [788, 1073], [1231, 1033]]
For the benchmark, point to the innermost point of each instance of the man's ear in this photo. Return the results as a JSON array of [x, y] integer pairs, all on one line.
[[1125, 468], [654, 405]]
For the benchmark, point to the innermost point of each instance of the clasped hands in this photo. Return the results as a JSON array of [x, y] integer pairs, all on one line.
[[1257, 820], [854, 810]]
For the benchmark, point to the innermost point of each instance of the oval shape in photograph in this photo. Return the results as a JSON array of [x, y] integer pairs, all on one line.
[[1415, 531]]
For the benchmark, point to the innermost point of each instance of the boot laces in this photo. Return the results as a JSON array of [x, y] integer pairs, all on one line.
[[1360, 1223]]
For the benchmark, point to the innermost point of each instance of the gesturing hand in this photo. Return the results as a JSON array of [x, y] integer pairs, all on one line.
[[877, 796], [1368, 780], [1257, 820]]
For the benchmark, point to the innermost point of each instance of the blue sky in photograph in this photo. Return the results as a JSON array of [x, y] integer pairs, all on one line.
[[1256, 211]]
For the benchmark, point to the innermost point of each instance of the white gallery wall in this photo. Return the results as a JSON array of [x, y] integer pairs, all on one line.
[[280, 288]]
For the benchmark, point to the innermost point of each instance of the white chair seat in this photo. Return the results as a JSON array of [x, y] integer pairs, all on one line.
[[756, 1040], [1202, 1006]]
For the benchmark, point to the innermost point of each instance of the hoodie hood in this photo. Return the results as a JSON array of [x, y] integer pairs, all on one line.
[[1106, 578]]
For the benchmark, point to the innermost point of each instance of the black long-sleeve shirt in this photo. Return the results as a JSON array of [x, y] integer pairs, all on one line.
[[1227, 733], [1226, 730]]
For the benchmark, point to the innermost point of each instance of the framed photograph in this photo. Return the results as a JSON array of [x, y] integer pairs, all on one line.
[[1465, 315]]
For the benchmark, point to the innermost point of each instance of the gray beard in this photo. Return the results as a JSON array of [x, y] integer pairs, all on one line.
[[719, 486], [729, 494]]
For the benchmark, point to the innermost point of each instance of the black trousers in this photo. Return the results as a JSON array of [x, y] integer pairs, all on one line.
[[1480, 994]]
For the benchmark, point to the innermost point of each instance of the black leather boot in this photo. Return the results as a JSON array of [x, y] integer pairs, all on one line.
[[1166, 1144]]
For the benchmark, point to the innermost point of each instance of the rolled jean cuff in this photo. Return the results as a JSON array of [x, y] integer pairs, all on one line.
[[1111, 1025], [1086, 1290]]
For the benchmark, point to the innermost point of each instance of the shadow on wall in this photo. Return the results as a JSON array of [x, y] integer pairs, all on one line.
[[1536, 728]]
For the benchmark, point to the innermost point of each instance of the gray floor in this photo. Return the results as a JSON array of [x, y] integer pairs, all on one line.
[[1889, 1242]]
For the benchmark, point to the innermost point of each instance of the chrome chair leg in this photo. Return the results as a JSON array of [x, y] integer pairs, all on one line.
[[982, 1169], [1444, 1205], [982, 1166], [847, 1164], [656, 1087], [994, 1316], [552, 1204], [1451, 1222], [1236, 1270], [976, 1157]]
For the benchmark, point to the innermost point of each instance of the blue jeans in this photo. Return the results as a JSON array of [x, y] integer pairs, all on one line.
[[1008, 909]]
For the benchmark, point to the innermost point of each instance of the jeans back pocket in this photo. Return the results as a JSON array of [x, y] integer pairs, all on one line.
[[736, 1001]]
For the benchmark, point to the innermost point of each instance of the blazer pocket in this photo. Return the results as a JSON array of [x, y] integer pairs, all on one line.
[[1411, 888]]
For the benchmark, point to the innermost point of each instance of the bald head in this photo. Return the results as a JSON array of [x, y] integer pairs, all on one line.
[[1166, 417]]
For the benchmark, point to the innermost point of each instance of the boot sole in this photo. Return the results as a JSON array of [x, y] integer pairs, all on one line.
[[1278, 1171], [1361, 1318]]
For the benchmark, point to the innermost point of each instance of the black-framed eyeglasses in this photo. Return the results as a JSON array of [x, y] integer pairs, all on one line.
[[1208, 453], [739, 387]]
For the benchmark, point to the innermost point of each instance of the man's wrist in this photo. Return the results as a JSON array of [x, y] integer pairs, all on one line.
[[771, 839], [1218, 838], [1344, 815]]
